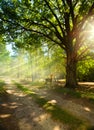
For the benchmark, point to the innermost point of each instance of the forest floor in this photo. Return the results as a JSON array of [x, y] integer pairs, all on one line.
[[19, 111]]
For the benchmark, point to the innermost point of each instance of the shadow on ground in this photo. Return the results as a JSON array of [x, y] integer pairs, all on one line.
[[19, 112], [7, 119]]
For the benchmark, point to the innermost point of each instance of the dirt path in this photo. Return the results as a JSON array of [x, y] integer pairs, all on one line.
[[80, 108], [20, 112]]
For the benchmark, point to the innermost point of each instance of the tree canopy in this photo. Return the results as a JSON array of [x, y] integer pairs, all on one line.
[[66, 23]]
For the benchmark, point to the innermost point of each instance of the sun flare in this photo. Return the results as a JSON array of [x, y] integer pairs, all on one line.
[[90, 32]]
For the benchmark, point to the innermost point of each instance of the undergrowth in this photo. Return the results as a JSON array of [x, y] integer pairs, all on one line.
[[31, 83], [75, 93], [2, 89]]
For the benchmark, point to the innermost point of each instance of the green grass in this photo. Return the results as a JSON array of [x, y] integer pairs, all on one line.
[[60, 115], [88, 95], [2, 89], [24, 89], [37, 83], [75, 93], [56, 112]]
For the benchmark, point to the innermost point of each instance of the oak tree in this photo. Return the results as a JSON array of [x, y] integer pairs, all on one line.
[[59, 22]]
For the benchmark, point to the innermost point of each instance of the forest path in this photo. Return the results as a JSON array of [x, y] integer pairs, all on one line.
[[20, 112], [77, 107]]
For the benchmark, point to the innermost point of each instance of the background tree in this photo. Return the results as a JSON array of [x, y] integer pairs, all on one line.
[[55, 59], [4, 57], [59, 22]]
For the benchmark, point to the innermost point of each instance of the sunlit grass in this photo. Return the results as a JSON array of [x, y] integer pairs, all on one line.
[[61, 115], [24, 89], [39, 84], [57, 113]]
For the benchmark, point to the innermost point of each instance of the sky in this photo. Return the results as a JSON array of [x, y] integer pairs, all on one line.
[[9, 48]]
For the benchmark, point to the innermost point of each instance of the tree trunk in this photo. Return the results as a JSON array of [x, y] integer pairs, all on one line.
[[71, 64]]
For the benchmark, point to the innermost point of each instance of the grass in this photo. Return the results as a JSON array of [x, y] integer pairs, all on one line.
[[24, 89], [2, 89], [37, 83], [56, 112], [76, 93], [59, 114]]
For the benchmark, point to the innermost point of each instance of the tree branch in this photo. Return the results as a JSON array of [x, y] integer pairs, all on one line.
[[63, 1], [57, 32], [35, 31], [91, 9], [67, 25], [81, 55], [47, 3], [90, 13], [69, 2], [58, 6], [40, 33], [31, 22]]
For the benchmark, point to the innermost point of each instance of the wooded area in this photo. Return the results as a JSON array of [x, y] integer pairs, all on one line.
[[49, 45]]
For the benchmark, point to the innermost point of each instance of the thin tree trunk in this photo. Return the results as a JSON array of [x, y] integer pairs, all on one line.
[[71, 64]]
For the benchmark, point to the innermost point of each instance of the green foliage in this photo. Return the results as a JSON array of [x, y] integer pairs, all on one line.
[[39, 22], [34, 64], [4, 54], [67, 91], [2, 89], [42, 21], [78, 93], [85, 70], [24, 89]]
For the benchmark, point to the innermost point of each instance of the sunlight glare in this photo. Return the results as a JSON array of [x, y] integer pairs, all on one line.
[[52, 101], [87, 109], [4, 105], [5, 115], [90, 32], [57, 128], [41, 118]]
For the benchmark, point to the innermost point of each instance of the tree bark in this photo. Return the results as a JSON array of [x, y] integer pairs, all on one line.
[[71, 66]]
